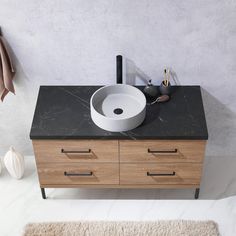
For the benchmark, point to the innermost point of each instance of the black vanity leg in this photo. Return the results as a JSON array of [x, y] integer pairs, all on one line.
[[43, 193], [197, 193]]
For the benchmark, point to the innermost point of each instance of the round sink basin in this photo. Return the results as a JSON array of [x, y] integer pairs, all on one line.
[[118, 107]]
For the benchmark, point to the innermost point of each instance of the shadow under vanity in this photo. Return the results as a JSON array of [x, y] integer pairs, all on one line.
[[165, 151]]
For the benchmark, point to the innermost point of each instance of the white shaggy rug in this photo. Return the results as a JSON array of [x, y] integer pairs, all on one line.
[[127, 228]]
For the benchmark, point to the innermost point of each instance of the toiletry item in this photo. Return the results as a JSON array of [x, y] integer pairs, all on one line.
[[165, 87], [165, 80], [14, 163], [150, 90], [166, 76], [165, 90], [163, 98]]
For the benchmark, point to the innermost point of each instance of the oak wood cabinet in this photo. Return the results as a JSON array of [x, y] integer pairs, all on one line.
[[119, 163]]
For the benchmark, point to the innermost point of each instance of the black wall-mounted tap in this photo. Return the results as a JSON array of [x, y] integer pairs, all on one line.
[[119, 69]]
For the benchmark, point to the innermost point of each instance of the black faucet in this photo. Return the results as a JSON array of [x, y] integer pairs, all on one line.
[[119, 69]]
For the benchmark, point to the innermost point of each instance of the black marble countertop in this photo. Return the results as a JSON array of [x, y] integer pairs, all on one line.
[[63, 112]]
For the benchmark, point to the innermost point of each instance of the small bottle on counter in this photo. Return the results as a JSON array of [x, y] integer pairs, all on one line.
[[150, 90]]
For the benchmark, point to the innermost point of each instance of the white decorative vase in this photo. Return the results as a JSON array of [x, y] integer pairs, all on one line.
[[14, 163]]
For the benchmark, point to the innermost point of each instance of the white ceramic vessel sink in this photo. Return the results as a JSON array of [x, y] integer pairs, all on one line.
[[118, 107]]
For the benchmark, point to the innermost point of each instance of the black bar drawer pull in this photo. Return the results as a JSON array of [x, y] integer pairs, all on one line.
[[78, 174], [162, 151], [164, 174], [78, 151]]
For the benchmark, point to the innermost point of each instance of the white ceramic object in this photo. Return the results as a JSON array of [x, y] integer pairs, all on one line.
[[14, 163], [118, 107]]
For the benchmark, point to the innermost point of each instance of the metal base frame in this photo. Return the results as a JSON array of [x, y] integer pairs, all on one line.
[[196, 195], [43, 193]]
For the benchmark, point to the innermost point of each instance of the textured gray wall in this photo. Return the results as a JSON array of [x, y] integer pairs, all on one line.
[[75, 42]]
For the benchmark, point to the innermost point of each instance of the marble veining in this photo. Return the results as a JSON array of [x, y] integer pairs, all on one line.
[[63, 112]]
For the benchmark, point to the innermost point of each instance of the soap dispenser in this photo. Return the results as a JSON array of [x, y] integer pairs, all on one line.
[[150, 90]]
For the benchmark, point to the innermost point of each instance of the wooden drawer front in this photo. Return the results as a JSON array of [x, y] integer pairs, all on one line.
[[61, 174], [182, 173], [47, 151], [162, 151]]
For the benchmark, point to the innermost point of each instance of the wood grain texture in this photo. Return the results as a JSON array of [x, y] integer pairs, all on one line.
[[49, 151], [135, 174], [129, 170], [103, 173], [120, 186], [137, 151]]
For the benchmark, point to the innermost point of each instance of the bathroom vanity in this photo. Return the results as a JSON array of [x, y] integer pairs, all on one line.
[[165, 151]]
